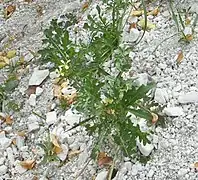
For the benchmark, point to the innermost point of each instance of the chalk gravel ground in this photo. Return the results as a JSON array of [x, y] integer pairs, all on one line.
[[176, 146]]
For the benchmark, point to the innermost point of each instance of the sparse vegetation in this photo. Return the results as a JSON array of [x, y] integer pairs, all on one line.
[[107, 100]]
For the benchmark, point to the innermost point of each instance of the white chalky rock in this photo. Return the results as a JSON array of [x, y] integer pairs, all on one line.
[[190, 97], [33, 118], [83, 158], [33, 126], [54, 75], [4, 141], [74, 146], [142, 79], [68, 91], [32, 100], [173, 111], [3, 169], [8, 129], [144, 149], [133, 35], [150, 173], [161, 96], [19, 168], [128, 165], [182, 172], [10, 155], [29, 57], [39, 91], [102, 175], [132, 19], [2, 159], [38, 77], [72, 118], [188, 31], [63, 154], [20, 142], [123, 170], [134, 170], [51, 117]]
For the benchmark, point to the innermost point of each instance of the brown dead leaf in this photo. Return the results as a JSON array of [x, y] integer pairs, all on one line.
[[21, 133], [9, 10], [132, 25], [155, 118], [14, 141], [35, 178], [104, 160], [85, 6], [31, 90], [57, 148], [154, 12], [101, 155], [187, 21], [74, 153], [196, 165], [39, 10], [54, 140], [57, 91], [29, 1], [71, 98], [8, 120], [2, 117], [180, 57], [137, 13], [28, 164], [189, 37]]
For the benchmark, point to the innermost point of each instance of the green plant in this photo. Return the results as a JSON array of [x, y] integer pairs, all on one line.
[[5, 88], [2, 96], [106, 99], [48, 147], [181, 20]]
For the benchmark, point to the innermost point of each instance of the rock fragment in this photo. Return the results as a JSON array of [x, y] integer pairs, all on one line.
[[20, 141], [190, 97], [3, 169], [72, 118], [101, 175], [33, 126], [142, 79], [151, 173], [144, 149], [39, 91], [161, 96], [32, 100], [63, 154], [38, 77], [51, 117], [4, 141], [182, 172], [173, 111], [10, 155], [133, 35], [19, 168]]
